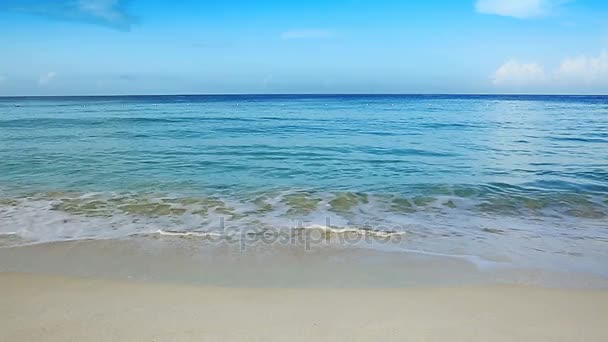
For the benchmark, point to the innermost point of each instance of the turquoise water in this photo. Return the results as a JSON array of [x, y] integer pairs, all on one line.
[[520, 180]]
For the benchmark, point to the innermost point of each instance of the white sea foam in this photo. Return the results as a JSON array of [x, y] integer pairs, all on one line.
[[187, 234], [458, 229], [352, 230]]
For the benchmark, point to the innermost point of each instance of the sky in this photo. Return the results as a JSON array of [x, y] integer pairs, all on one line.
[[127, 47]]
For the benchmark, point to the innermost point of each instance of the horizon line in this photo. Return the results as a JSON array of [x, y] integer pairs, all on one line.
[[306, 94]]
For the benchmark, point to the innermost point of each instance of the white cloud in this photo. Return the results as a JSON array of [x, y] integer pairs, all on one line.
[[105, 12], [307, 34], [47, 78], [518, 8], [582, 72], [516, 73]]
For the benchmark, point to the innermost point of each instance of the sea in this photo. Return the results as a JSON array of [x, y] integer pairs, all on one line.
[[501, 180]]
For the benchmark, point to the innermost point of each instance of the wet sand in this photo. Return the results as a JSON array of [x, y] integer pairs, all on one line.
[[199, 262]]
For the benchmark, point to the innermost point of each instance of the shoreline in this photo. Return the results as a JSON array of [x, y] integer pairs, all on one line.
[[201, 262], [493, 223], [57, 308]]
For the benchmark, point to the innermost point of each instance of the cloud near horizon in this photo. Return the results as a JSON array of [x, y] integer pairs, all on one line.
[[522, 9], [516, 73], [589, 70], [573, 71], [110, 13], [47, 78]]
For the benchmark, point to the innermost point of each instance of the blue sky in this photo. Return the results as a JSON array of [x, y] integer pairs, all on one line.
[[78, 47]]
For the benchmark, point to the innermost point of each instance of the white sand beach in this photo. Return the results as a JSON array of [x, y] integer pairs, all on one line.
[[54, 308]]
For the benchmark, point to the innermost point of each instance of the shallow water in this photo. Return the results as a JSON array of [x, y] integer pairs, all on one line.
[[519, 180]]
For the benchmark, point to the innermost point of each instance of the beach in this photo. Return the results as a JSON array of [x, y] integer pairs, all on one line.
[[304, 218], [177, 289], [54, 308], [426, 171]]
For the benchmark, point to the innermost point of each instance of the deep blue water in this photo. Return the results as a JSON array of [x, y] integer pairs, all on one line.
[[515, 178]]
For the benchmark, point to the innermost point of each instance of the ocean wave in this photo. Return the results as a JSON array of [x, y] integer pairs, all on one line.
[[186, 234], [352, 230], [324, 231], [459, 214]]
